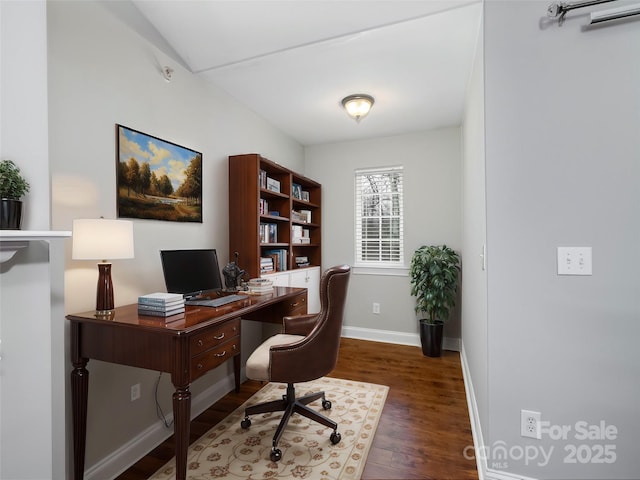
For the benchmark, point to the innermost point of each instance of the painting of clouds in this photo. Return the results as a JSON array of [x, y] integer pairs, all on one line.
[[157, 179]]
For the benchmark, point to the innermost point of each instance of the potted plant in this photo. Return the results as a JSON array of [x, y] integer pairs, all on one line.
[[12, 188], [434, 274]]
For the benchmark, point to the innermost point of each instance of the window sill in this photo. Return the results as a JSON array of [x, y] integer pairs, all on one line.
[[391, 271]]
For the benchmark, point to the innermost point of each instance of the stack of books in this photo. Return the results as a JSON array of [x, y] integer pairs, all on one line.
[[302, 262], [279, 256], [299, 234], [266, 265], [161, 304], [260, 285]]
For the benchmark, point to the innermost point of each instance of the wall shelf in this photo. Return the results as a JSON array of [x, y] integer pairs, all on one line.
[[13, 240]]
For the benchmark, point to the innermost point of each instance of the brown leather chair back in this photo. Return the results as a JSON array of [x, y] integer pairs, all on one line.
[[316, 355]]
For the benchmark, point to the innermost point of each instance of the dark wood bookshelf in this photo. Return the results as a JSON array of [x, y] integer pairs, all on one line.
[[248, 191]]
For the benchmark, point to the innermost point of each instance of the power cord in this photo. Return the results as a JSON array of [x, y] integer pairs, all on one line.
[[159, 411]]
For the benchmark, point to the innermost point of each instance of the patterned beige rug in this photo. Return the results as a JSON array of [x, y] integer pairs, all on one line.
[[228, 451]]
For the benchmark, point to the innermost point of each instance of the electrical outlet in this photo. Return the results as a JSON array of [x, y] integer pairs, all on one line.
[[376, 308], [530, 424], [135, 392]]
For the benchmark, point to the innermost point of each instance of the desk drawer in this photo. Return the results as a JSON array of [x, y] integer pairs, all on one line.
[[201, 364], [297, 305], [214, 337]]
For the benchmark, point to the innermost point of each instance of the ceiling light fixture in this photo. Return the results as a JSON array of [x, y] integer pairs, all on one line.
[[358, 105]]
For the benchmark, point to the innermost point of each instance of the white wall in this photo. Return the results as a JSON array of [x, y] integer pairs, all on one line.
[[101, 72], [474, 251], [32, 393], [562, 168], [432, 190]]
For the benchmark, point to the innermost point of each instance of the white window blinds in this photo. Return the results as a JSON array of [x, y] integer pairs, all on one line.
[[379, 217]]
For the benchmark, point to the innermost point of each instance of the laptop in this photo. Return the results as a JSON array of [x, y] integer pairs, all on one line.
[[195, 273]]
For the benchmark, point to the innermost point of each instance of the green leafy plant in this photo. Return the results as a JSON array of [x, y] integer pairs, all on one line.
[[434, 274], [12, 185]]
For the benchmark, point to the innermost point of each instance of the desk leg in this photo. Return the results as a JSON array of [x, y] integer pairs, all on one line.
[[79, 395], [236, 371], [182, 416]]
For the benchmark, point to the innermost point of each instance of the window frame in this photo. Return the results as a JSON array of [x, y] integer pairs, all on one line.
[[379, 266]]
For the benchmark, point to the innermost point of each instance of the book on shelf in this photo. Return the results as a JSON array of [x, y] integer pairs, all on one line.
[[307, 215], [300, 235], [266, 265], [280, 254], [160, 298], [262, 179], [268, 233], [302, 262], [273, 185], [296, 191], [302, 216], [263, 206]]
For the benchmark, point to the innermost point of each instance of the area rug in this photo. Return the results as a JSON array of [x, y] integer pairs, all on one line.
[[229, 451]]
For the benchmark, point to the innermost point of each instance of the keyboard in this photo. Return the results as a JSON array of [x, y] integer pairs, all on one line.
[[215, 302]]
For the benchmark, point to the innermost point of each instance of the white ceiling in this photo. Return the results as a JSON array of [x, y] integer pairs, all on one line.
[[293, 61]]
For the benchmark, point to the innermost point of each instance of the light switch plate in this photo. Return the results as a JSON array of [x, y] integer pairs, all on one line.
[[574, 261]]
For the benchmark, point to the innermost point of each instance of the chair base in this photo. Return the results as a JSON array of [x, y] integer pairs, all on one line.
[[289, 404]]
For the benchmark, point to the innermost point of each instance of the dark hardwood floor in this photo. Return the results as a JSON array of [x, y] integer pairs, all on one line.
[[423, 430]]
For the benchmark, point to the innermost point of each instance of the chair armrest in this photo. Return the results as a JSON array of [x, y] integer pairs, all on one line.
[[299, 324]]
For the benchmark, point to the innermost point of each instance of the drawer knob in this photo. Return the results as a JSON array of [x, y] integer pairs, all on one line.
[[219, 337], [220, 354], [200, 343], [199, 366]]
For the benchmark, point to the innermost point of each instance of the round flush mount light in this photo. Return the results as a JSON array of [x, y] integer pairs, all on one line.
[[358, 105]]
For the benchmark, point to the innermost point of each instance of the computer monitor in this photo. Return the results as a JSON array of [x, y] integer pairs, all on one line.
[[191, 272]]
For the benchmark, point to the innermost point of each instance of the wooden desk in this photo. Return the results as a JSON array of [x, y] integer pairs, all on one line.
[[186, 348]]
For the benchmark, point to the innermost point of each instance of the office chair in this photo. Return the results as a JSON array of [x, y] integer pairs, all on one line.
[[306, 349]]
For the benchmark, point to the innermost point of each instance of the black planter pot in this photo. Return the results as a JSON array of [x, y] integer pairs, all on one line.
[[431, 337], [10, 214]]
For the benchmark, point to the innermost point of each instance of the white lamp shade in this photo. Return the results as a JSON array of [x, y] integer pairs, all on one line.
[[102, 239]]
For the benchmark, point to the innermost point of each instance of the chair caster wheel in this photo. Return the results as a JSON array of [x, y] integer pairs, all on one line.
[[276, 454], [326, 404], [246, 423], [335, 438]]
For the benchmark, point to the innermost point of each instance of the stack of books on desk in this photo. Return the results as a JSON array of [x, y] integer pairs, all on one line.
[[161, 304], [260, 285]]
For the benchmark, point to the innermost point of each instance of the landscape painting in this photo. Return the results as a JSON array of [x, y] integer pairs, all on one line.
[[157, 179]]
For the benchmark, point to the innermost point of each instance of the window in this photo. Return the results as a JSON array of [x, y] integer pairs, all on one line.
[[379, 223]]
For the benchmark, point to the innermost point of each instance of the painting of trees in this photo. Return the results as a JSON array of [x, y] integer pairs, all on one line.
[[157, 179]]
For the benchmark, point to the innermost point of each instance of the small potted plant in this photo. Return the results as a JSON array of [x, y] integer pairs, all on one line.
[[434, 273], [12, 188]]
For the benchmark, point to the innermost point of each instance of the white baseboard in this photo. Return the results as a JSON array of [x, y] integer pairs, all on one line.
[[121, 459], [484, 472], [400, 338], [476, 429]]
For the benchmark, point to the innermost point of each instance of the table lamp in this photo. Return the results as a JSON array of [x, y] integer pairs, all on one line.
[[101, 239]]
